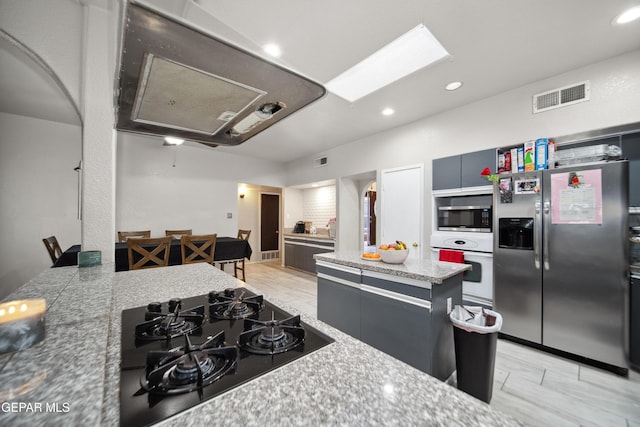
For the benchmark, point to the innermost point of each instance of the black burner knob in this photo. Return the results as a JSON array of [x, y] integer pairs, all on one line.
[[213, 296], [154, 307], [173, 303]]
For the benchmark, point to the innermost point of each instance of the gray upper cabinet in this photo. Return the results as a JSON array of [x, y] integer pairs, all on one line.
[[462, 170], [474, 163], [446, 173], [631, 150]]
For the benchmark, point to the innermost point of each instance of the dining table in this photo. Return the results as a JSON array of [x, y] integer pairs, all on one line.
[[227, 248]]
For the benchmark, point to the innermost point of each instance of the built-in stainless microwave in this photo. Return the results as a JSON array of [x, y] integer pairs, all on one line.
[[465, 218]]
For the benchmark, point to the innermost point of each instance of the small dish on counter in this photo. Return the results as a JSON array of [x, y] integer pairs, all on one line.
[[371, 257]]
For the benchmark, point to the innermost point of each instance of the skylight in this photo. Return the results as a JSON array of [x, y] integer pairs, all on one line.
[[410, 52], [629, 15]]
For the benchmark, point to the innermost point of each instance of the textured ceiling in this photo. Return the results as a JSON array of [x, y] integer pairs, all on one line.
[[495, 46]]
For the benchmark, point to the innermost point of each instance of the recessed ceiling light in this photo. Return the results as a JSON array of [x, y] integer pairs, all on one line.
[[453, 86], [388, 111], [171, 140], [410, 52], [628, 16], [273, 50]]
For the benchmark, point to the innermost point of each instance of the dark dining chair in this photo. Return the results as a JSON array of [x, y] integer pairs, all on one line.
[[238, 264], [177, 234], [148, 253], [198, 248], [124, 235], [51, 243]]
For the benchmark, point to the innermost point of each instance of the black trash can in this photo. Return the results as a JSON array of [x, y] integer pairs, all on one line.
[[475, 346]]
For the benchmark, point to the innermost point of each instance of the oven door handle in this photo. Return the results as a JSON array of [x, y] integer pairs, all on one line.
[[537, 233], [478, 254]]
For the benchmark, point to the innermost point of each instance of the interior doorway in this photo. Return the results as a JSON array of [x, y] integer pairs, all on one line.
[[269, 222], [401, 207], [369, 219]]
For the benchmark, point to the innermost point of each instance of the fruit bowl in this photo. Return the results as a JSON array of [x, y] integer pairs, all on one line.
[[394, 256]]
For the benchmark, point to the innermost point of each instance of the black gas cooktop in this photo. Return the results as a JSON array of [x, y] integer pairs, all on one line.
[[180, 353]]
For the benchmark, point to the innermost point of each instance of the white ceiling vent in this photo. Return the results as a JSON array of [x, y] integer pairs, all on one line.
[[319, 162], [561, 97]]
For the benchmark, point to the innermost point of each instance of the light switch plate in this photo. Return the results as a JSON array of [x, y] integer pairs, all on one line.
[[229, 215]]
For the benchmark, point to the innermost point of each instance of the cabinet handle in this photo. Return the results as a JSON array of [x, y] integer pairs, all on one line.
[[396, 296], [546, 226], [536, 235], [338, 280]]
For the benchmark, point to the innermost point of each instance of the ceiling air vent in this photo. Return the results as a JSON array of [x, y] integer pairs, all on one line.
[[561, 97], [319, 162]]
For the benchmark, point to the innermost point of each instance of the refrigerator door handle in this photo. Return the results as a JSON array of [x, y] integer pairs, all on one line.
[[537, 240], [546, 226]]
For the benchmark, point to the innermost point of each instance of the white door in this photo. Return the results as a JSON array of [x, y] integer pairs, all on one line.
[[401, 206]]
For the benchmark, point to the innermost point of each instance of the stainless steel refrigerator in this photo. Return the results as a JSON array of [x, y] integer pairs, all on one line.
[[560, 259]]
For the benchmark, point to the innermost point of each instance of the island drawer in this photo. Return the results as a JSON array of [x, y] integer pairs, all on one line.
[[399, 285]]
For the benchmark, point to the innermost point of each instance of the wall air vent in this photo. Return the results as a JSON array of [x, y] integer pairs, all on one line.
[[561, 97], [270, 255], [319, 162]]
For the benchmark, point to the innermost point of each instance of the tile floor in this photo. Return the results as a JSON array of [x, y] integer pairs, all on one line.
[[536, 387]]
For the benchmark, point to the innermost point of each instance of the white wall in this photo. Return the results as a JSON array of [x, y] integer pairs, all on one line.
[[54, 32], [248, 218], [504, 119], [319, 205], [197, 193], [38, 194], [293, 206]]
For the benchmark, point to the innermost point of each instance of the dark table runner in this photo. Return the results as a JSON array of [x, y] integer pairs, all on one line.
[[227, 248]]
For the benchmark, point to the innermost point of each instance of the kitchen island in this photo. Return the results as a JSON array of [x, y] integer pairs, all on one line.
[[400, 309], [72, 377]]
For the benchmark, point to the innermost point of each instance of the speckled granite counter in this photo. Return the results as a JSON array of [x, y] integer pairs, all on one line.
[[73, 375], [418, 269], [320, 235]]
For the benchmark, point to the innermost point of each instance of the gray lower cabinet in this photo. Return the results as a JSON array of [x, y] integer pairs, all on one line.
[[396, 326], [299, 251], [399, 316], [339, 297]]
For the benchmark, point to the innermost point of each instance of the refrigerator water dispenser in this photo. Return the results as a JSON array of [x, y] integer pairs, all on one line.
[[515, 233]]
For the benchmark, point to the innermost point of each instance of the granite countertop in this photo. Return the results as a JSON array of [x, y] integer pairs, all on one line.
[[72, 377], [320, 235], [418, 269]]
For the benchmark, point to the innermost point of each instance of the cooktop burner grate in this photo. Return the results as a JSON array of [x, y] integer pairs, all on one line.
[[174, 359], [189, 367], [271, 336], [234, 304], [159, 325]]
